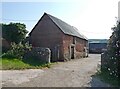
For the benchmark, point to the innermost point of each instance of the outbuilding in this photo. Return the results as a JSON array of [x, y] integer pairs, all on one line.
[[64, 40], [97, 45]]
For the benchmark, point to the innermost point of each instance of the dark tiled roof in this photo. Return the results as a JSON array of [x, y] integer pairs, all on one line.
[[66, 28]]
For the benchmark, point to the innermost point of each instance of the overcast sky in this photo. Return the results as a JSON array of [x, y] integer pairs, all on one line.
[[93, 18]]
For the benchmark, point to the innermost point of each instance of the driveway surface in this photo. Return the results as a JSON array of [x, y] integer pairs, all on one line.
[[74, 73]]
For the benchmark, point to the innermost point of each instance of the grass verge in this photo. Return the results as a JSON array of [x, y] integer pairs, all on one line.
[[107, 78], [17, 64]]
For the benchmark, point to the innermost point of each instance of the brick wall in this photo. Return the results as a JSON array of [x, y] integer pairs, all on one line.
[[78, 45], [47, 34]]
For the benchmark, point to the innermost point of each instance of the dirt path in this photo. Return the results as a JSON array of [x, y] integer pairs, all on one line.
[[74, 73]]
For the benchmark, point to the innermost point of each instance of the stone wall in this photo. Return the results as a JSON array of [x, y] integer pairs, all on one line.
[[40, 54], [104, 59]]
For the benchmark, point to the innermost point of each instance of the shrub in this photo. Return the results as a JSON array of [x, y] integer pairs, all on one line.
[[113, 53], [18, 50]]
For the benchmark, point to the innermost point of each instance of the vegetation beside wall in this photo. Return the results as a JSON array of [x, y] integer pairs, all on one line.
[[107, 78], [14, 56], [111, 58]]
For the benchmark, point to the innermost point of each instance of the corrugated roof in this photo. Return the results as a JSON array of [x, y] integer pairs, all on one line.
[[66, 28]]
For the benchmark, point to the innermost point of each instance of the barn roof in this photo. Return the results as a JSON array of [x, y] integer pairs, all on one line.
[[64, 27]]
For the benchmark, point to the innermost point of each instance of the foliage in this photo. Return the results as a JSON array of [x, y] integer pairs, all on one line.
[[113, 53], [105, 77], [14, 32], [18, 50]]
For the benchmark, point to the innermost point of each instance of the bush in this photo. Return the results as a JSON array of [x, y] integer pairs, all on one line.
[[18, 50], [113, 53]]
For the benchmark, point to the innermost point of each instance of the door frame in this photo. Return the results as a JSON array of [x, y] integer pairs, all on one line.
[[72, 46]]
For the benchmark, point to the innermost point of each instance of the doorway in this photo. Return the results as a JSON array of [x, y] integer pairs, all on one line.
[[72, 52]]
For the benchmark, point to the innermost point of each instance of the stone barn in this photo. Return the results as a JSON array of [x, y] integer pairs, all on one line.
[[64, 40]]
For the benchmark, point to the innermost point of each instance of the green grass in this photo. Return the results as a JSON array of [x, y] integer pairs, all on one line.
[[16, 64], [105, 77]]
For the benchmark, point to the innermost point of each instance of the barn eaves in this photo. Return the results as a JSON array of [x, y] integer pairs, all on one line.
[[66, 28]]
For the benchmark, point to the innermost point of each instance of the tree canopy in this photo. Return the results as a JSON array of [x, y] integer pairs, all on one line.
[[14, 32]]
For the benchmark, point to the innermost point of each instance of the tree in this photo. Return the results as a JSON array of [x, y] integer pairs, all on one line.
[[14, 32]]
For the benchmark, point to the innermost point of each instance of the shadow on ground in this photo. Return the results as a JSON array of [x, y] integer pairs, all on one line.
[[96, 82]]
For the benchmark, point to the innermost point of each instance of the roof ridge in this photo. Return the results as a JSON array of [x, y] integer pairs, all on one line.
[[57, 23], [57, 18], [53, 20], [72, 30], [63, 26]]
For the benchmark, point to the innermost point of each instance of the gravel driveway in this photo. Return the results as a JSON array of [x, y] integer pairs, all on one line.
[[74, 73]]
